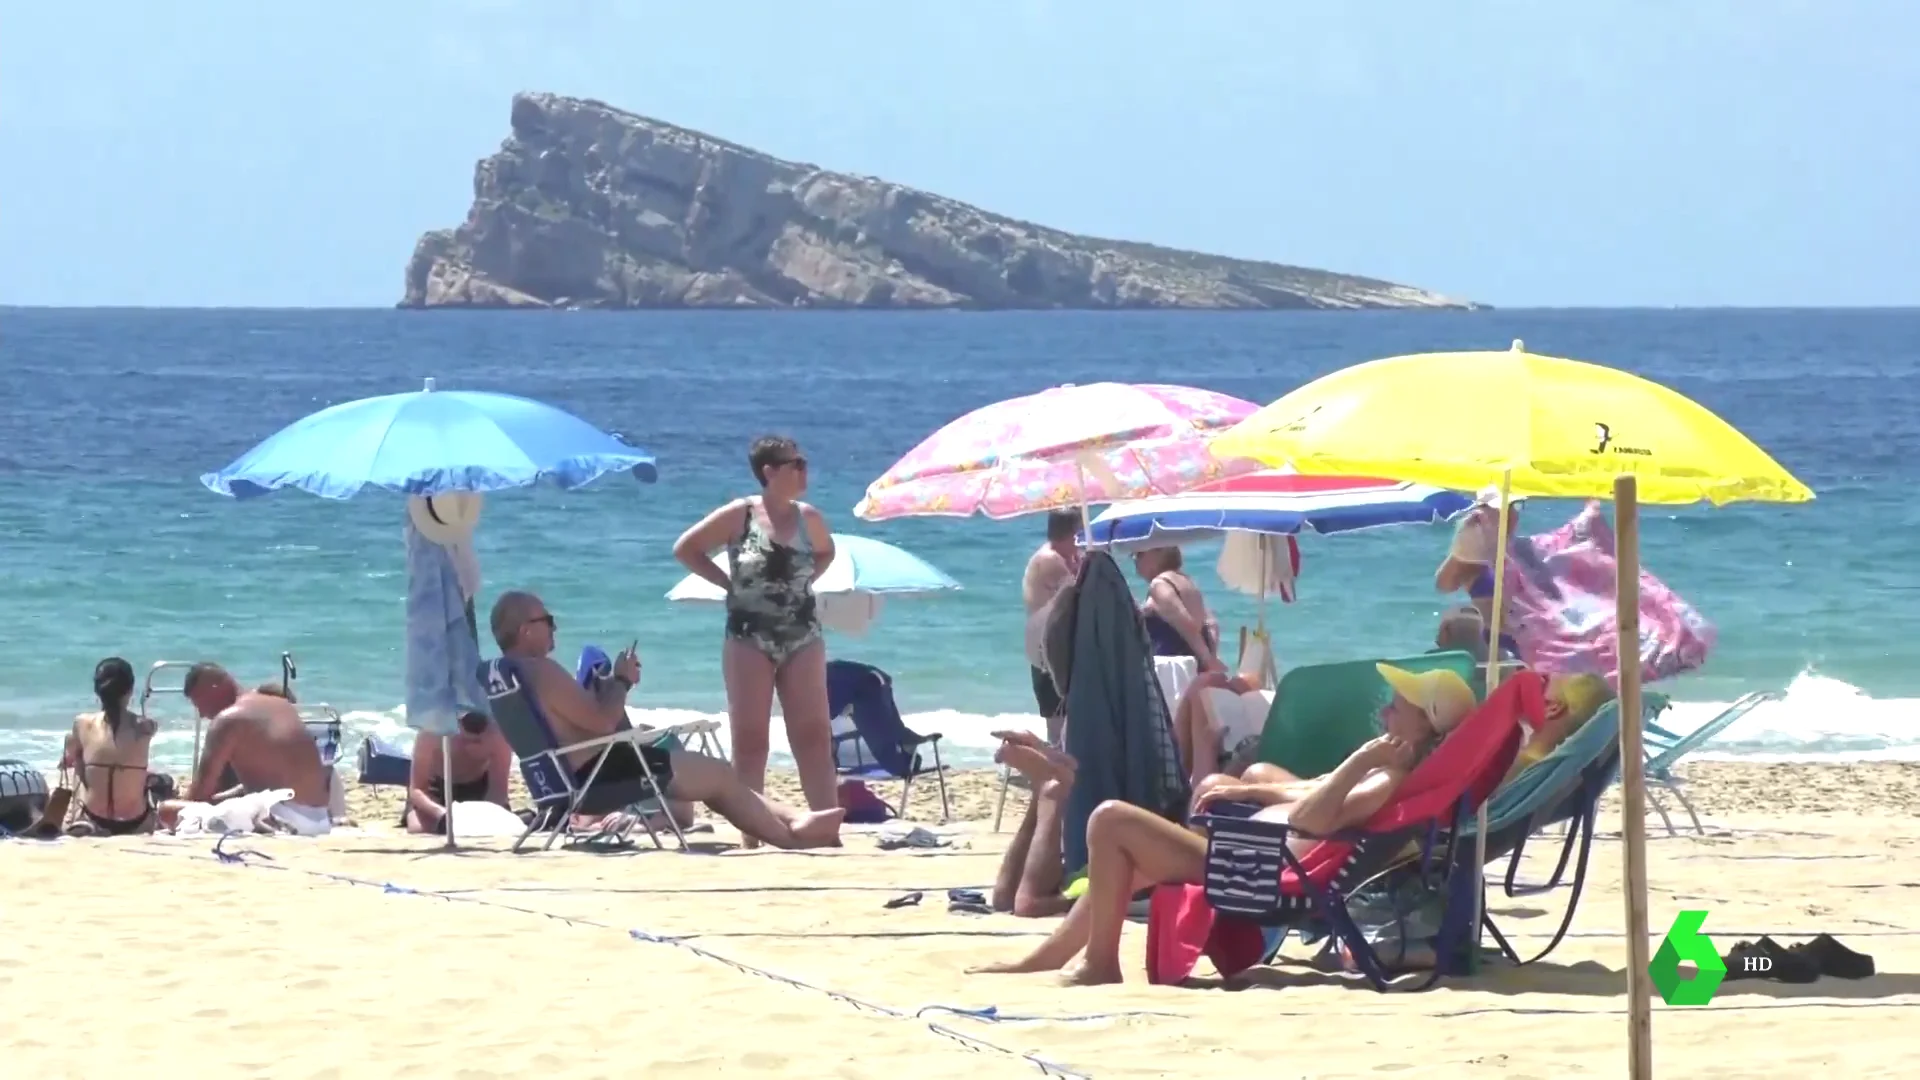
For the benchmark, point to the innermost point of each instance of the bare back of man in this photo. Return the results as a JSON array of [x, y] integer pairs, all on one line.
[[261, 738]]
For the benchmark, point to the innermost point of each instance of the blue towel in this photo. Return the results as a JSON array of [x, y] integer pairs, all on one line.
[[442, 655], [595, 665], [1118, 729]]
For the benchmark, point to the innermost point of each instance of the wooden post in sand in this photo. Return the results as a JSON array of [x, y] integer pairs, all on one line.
[[1633, 782]]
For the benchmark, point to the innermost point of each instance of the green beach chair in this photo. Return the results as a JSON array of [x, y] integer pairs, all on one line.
[[1322, 714]]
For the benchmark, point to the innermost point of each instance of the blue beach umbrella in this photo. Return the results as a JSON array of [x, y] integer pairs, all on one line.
[[431, 443], [863, 571], [444, 450]]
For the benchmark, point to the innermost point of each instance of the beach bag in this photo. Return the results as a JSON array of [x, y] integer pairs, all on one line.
[[863, 807]]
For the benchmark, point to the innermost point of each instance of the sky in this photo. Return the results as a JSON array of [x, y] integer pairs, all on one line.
[[241, 153]]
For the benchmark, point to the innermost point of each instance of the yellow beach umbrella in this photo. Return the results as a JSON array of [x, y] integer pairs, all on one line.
[[1540, 426]]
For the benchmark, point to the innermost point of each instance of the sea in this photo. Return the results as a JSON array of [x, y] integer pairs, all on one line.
[[113, 547]]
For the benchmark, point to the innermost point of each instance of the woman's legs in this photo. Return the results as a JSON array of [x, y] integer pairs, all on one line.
[[749, 678], [802, 684], [1128, 849], [1142, 847]]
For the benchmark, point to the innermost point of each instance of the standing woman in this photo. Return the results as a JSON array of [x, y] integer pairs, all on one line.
[[777, 546]]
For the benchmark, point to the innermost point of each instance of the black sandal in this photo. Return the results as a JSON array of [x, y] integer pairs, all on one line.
[[1831, 958], [1768, 959]]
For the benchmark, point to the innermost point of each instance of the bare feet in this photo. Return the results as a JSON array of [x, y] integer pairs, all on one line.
[[821, 828], [1088, 975], [1025, 746], [1009, 967]]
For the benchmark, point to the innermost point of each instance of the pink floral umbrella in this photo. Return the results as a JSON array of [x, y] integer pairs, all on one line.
[[1068, 446]]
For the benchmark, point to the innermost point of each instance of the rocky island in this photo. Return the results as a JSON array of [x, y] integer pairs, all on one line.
[[586, 205]]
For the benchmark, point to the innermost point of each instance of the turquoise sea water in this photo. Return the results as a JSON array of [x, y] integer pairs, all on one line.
[[111, 546]]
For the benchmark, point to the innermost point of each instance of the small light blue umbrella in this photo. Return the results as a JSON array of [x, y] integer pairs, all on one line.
[[863, 571], [431, 443], [427, 444]]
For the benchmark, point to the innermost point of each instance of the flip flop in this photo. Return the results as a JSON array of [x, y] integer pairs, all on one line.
[[968, 907], [1831, 958], [966, 896], [911, 899], [1768, 959]]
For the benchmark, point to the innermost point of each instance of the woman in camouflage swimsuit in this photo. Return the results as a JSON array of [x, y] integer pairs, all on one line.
[[776, 547]]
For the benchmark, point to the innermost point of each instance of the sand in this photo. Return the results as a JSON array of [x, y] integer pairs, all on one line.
[[313, 959]]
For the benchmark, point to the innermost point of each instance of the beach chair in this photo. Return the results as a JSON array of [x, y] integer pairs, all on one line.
[[550, 781], [1665, 749], [1323, 713], [1252, 880], [877, 744], [1563, 787]]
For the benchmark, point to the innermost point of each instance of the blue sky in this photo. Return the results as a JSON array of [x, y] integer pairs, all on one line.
[[1632, 152]]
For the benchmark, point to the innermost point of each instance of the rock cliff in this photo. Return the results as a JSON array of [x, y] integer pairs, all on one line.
[[589, 206]]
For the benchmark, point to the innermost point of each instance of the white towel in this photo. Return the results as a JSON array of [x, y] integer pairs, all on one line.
[[1258, 565], [302, 820], [478, 819], [240, 814], [1238, 717]]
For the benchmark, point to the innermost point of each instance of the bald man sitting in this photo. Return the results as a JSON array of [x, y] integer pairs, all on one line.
[[524, 630]]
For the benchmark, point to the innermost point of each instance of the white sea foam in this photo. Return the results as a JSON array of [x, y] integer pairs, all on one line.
[[1816, 719]]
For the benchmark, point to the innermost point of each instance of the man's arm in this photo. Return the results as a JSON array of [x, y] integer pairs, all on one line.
[[427, 764], [1455, 574], [564, 701], [214, 754]]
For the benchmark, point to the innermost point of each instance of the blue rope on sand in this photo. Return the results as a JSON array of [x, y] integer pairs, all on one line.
[[990, 1014]]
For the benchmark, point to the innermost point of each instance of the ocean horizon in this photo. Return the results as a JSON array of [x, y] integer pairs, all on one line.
[[114, 547]]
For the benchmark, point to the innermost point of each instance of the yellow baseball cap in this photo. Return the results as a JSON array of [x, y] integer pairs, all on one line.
[[1443, 695]]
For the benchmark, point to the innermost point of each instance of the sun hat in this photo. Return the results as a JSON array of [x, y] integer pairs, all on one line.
[[446, 519], [1443, 695]]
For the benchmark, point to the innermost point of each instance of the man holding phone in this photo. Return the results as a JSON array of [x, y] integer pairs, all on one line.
[[524, 628]]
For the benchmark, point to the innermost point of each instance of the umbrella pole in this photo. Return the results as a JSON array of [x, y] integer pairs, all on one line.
[[1493, 682], [1633, 784], [446, 776]]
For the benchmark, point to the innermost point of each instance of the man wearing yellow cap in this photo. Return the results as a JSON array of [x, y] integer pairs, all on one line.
[[1130, 848]]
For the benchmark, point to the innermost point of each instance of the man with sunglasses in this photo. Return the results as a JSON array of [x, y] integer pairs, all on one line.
[[524, 629]]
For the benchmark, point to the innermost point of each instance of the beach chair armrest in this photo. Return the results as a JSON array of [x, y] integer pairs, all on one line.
[[634, 737]]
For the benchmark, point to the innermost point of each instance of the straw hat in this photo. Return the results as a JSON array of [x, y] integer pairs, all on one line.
[[445, 519], [1443, 695]]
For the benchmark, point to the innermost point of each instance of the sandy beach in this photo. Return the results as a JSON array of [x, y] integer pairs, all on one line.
[[368, 954]]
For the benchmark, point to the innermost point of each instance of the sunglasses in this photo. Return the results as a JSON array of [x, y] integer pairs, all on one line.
[[797, 462], [548, 619]]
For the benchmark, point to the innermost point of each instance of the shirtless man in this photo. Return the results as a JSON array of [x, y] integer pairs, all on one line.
[[261, 738], [1049, 569], [482, 762], [523, 628]]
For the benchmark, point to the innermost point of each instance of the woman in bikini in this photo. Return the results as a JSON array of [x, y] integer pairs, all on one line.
[[777, 546], [109, 750]]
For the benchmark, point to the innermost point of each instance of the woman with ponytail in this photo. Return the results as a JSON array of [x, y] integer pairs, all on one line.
[[109, 749]]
